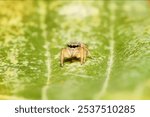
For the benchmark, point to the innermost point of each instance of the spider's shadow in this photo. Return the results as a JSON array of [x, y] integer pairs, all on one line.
[[73, 59]]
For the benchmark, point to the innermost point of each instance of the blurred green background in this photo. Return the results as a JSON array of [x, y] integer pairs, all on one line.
[[32, 33]]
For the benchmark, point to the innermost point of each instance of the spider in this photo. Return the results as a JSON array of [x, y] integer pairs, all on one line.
[[74, 51]]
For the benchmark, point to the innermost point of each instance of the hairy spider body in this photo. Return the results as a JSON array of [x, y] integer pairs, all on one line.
[[74, 50]]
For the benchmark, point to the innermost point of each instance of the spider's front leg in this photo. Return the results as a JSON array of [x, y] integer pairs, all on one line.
[[81, 55], [62, 58], [84, 55]]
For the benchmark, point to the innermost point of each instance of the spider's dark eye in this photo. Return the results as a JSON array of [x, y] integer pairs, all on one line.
[[73, 45]]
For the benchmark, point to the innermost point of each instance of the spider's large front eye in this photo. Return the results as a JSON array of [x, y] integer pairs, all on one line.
[[70, 46]]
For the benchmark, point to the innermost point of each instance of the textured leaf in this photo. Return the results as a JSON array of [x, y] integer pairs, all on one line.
[[32, 34]]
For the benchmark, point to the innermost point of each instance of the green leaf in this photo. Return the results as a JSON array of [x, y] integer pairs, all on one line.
[[33, 33]]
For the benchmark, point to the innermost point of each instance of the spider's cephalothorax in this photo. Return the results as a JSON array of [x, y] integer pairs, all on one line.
[[73, 44], [74, 50]]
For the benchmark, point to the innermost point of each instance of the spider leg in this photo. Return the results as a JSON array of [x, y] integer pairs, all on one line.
[[81, 55], [84, 55], [62, 58]]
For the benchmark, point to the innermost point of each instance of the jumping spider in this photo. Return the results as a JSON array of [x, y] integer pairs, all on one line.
[[74, 50]]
